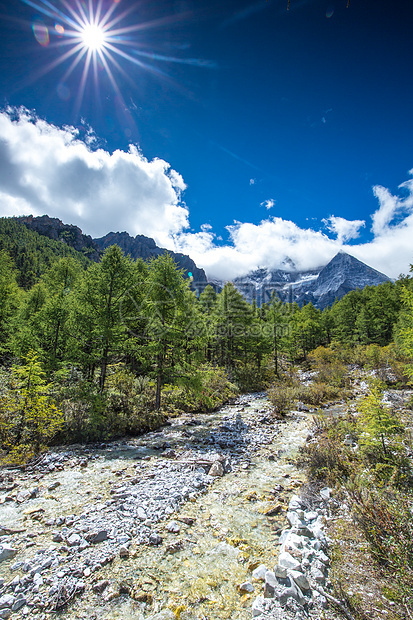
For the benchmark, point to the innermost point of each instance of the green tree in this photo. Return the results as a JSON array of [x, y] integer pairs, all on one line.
[[96, 323], [378, 424], [9, 298], [164, 306], [29, 417]]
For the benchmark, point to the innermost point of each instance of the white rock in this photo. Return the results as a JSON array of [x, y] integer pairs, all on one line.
[[258, 607], [295, 503], [288, 561], [173, 527], [259, 572], [325, 493], [6, 601], [7, 552]]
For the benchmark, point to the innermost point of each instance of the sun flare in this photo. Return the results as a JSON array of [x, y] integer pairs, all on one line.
[[93, 37]]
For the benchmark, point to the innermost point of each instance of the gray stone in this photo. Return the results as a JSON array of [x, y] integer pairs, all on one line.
[[123, 551], [318, 575], [281, 572], [7, 552], [5, 613], [53, 486], [246, 587], [142, 514], [155, 539], [18, 603], [294, 592], [74, 540], [300, 579], [173, 527], [97, 537]]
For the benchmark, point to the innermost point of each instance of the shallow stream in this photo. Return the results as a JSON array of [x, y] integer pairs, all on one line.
[[225, 530]]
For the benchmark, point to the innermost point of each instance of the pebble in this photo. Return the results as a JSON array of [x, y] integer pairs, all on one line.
[[145, 493]]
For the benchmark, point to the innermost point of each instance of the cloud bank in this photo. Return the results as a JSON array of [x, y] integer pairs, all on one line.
[[46, 169]]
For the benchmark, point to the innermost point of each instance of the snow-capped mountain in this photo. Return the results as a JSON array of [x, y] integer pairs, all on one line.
[[341, 275]]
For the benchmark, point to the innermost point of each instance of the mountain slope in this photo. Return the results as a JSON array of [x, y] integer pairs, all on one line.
[[321, 287], [32, 253], [146, 248], [138, 247]]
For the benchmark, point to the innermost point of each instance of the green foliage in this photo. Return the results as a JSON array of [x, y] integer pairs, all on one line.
[[377, 424], [32, 253], [329, 368], [209, 390], [9, 299], [29, 417]]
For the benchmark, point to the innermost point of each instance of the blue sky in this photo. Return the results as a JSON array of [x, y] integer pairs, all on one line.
[[257, 132]]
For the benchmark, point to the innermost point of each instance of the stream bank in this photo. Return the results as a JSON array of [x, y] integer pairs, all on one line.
[[168, 525]]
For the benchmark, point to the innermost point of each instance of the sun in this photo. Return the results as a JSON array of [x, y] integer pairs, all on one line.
[[93, 37]]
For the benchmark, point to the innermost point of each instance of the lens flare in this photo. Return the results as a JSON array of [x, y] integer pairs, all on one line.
[[41, 33]]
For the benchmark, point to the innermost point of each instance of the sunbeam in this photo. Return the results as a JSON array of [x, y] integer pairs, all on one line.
[[96, 37]]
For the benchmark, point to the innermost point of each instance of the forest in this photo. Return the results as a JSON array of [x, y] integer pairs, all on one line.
[[94, 350]]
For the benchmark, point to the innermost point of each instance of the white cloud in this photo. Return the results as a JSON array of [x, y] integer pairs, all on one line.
[[253, 181], [268, 243], [47, 170], [268, 204], [344, 229], [257, 245]]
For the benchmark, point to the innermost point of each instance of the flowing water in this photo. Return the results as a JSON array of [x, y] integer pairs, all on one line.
[[224, 532]]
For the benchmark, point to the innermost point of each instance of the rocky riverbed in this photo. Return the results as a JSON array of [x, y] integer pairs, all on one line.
[[186, 522]]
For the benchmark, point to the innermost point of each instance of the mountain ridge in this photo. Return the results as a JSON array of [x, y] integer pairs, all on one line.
[[342, 274], [322, 286], [137, 247]]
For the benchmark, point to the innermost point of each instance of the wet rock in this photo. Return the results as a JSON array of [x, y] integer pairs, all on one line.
[[216, 470], [259, 572]]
